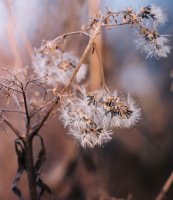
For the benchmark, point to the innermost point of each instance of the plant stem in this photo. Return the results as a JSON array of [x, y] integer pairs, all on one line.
[[13, 128], [89, 46], [30, 169], [165, 187]]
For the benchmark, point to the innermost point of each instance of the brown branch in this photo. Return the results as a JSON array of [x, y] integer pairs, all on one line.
[[71, 33], [39, 125], [116, 24], [95, 74], [10, 88], [39, 109], [30, 169], [26, 110], [114, 13], [34, 80], [101, 66], [89, 46], [12, 111], [12, 127], [165, 187], [15, 76]]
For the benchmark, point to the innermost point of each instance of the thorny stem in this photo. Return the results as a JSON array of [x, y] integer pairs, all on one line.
[[165, 187]]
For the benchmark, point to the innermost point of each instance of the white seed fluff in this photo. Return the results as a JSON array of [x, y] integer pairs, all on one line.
[[91, 117], [157, 47], [57, 67]]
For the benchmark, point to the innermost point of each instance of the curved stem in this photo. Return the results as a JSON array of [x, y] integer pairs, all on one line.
[[71, 33]]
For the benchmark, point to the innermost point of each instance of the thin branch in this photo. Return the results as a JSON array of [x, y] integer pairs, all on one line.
[[89, 46], [10, 88], [12, 74], [17, 101], [41, 123], [71, 33], [165, 187], [114, 25], [39, 109], [34, 80], [114, 13], [12, 127], [12, 111]]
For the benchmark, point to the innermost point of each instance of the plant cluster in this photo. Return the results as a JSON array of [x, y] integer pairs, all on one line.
[[54, 89]]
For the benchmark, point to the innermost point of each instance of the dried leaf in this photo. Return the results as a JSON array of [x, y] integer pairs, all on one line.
[[20, 151]]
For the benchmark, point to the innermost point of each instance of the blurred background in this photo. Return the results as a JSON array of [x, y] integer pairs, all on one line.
[[137, 162]]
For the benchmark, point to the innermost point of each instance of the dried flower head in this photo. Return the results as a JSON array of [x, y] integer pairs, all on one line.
[[84, 124], [145, 23], [149, 40], [56, 66], [152, 43], [153, 12], [115, 111], [92, 116]]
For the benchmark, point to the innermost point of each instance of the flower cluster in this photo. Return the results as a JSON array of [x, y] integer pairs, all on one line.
[[91, 117], [153, 12], [55, 66], [145, 23], [152, 43], [149, 40]]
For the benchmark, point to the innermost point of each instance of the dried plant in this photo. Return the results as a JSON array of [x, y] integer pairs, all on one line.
[[53, 89]]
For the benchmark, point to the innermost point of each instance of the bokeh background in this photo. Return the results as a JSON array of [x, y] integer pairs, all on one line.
[[137, 162]]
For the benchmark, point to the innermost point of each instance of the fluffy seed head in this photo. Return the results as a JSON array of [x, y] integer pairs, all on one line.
[[92, 116], [56, 66], [153, 12], [152, 43], [84, 124]]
